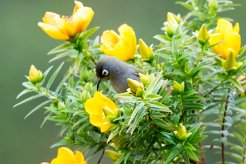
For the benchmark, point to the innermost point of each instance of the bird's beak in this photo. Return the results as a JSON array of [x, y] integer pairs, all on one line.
[[98, 84]]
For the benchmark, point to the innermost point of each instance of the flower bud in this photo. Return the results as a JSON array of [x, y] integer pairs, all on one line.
[[172, 23], [35, 75], [181, 132], [61, 105], [112, 154], [135, 86], [230, 63], [177, 87], [85, 95], [173, 19], [169, 30], [213, 4], [203, 35], [145, 79], [145, 51]]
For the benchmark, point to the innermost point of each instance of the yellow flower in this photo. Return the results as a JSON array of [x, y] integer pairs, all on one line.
[[66, 156], [227, 37], [144, 50], [34, 75], [122, 46], [63, 27], [181, 132], [101, 111]]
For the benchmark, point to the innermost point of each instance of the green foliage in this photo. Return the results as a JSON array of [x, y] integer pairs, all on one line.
[[205, 96]]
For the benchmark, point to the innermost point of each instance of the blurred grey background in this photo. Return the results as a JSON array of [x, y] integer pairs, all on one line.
[[22, 43]]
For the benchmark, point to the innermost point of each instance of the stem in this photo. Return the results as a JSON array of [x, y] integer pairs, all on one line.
[[223, 128], [182, 117], [99, 161], [244, 151]]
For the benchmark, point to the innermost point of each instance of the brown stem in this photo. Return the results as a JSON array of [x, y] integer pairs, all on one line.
[[222, 130], [99, 161]]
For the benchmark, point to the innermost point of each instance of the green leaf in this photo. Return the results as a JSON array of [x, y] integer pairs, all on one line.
[[23, 93], [88, 33], [63, 54], [237, 84], [37, 108], [63, 81], [186, 5], [242, 50], [61, 48], [28, 99], [54, 75], [153, 84], [45, 119], [159, 105], [172, 154], [135, 111]]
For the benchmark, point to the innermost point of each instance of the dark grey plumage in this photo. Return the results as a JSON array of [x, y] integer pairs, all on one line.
[[117, 71]]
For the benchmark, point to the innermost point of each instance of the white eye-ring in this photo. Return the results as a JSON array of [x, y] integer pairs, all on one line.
[[105, 72]]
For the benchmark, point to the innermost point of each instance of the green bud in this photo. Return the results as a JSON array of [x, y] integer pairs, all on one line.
[[230, 63], [112, 154], [169, 31], [145, 51], [177, 87], [135, 86], [145, 79], [35, 75], [61, 105], [203, 35], [173, 19], [181, 132], [85, 95], [213, 4]]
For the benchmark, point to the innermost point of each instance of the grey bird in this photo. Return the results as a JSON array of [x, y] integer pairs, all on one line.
[[117, 71]]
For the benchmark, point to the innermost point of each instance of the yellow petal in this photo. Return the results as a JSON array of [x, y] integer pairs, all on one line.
[[96, 120], [106, 102], [79, 158], [109, 39], [84, 17], [224, 26], [105, 126], [52, 19], [94, 105], [53, 31], [65, 155], [77, 6]]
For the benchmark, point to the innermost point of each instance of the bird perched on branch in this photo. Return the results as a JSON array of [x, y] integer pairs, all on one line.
[[117, 71]]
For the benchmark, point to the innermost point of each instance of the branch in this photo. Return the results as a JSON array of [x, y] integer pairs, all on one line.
[[99, 161], [223, 128]]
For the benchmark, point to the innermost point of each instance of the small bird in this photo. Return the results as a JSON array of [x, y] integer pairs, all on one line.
[[117, 71]]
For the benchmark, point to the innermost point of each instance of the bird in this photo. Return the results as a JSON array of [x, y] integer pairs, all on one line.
[[117, 71]]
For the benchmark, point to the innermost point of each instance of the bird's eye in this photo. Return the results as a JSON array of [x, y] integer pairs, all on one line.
[[105, 72]]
